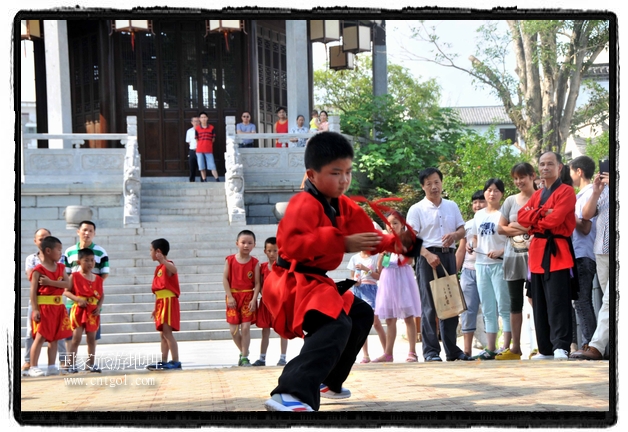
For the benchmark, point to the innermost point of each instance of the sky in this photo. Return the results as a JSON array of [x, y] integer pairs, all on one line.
[[457, 88]]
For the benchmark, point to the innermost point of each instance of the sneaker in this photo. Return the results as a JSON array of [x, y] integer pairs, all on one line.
[[94, 368], [561, 354], [281, 362], [461, 357], [244, 361], [52, 370], [507, 355], [330, 394], [485, 354], [156, 366], [259, 362], [533, 353], [171, 365], [285, 402], [217, 179], [540, 356], [35, 372], [72, 370]]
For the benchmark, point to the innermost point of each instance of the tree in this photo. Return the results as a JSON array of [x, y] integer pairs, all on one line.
[[552, 57], [598, 148], [413, 131], [477, 159]]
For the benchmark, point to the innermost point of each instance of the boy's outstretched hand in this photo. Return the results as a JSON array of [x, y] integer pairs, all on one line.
[[362, 242]]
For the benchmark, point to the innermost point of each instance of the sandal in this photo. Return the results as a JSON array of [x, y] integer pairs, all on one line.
[[366, 359], [412, 358], [383, 359]]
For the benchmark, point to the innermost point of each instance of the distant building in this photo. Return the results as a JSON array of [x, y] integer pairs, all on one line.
[[481, 119]]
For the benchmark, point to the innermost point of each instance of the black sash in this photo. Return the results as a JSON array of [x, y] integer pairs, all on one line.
[[551, 249], [341, 286]]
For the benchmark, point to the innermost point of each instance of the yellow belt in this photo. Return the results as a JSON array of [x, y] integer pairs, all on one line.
[[54, 300], [90, 300], [241, 291], [164, 293]]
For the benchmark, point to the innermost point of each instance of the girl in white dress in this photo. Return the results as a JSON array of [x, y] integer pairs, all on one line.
[[397, 295]]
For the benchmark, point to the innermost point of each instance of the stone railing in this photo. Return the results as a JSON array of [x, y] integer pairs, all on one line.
[[266, 169], [93, 166]]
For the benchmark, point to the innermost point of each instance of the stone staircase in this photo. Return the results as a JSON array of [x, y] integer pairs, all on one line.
[[193, 218]]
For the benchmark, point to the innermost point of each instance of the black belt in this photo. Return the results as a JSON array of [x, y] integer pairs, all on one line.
[[300, 268], [444, 250]]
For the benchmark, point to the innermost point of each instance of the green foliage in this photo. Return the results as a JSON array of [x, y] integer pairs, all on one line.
[[598, 148], [477, 158]]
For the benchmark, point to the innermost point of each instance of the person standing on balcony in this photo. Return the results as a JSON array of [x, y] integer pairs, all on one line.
[[205, 137], [324, 123], [246, 127], [190, 138], [281, 125], [301, 128]]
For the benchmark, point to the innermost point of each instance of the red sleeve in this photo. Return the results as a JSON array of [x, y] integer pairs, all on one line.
[[563, 210], [529, 214]]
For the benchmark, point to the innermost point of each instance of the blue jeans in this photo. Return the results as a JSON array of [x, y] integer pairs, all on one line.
[[469, 287], [584, 304]]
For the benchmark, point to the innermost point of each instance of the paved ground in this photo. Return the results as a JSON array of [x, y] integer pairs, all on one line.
[[210, 382]]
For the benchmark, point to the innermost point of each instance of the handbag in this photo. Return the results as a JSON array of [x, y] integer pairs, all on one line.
[[448, 297]]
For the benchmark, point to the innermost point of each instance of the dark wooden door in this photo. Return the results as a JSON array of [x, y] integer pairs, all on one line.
[[168, 77]]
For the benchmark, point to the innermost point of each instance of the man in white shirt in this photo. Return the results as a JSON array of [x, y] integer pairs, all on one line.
[[190, 138], [582, 169], [439, 223]]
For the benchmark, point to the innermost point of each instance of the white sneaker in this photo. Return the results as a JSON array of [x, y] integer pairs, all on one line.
[[52, 370], [561, 354], [286, 402], [329, 394], [540, 356], [35, 372]]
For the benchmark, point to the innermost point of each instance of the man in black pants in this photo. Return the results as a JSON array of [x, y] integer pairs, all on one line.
[[190, 138], [439, 223]]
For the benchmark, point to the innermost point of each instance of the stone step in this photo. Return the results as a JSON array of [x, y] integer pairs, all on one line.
[[184, 211], [177, 218], [182, 198], [183, 185], [153, 230]]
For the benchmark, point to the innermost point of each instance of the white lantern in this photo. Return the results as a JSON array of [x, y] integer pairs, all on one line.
[[356, 38], [339, 59], [324, 31], [132, 26], [222, 26]]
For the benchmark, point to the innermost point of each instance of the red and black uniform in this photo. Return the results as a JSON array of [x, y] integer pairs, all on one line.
[[264, 318], [303, 299], [54, 323], [551, 263], [167, 290], [205, 139], [242, 284], [91, 292]]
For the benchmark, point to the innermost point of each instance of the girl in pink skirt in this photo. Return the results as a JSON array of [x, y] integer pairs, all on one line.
[[397, 295]]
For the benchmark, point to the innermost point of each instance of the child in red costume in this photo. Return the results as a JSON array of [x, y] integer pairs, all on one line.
[[166, 313], [319, 226], [264, 319], [50, 321], [241, 281], [87, 294]]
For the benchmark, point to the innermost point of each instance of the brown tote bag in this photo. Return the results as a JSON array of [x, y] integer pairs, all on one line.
[[447, 294]]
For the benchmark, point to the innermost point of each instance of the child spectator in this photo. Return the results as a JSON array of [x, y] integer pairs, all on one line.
[[314, 122], [241, 280], [397, 296], [167, 313], [205, 137], [87, 294], [364, 271], [465, 261], [281, 125], [263, 319], [50, 321], [319, 226]]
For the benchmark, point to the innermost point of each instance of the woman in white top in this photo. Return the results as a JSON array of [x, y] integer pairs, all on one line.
[[489, 247], [516, 252], [299, 142]]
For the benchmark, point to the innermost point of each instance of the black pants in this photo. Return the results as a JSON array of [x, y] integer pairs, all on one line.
[[330, 348], [448, 327], [551, 303], [193, 162]]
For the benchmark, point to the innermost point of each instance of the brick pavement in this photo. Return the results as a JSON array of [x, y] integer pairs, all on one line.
[[530, 386]]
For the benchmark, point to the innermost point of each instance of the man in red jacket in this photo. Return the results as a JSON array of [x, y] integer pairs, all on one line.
[[550, 214]]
